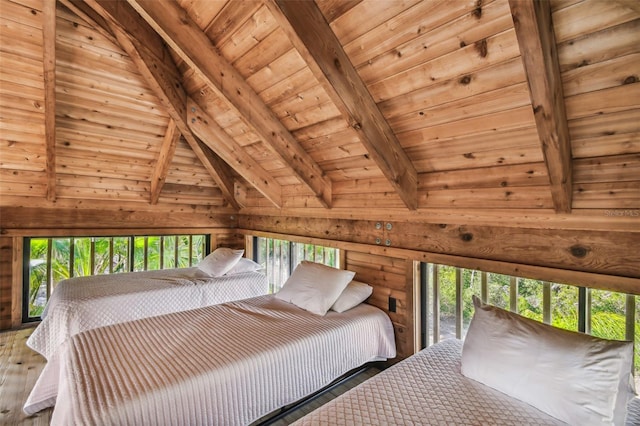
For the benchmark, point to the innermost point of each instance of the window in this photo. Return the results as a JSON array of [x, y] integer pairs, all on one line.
[[51, 260], [447, 308], [280, 257]]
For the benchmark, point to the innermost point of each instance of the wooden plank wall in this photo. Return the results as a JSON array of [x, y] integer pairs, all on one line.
[[389, 278]]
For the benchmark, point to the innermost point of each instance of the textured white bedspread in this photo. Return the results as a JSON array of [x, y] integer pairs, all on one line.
[[83, 303], [426, 389], [226, 364]]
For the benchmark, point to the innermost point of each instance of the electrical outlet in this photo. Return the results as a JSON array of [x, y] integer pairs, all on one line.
[[392, 304]]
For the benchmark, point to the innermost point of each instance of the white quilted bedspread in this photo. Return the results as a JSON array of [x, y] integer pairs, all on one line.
[[426, 389], [83, 303], [226, 364]]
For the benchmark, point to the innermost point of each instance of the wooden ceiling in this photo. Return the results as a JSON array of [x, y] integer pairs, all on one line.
[[342, 106]]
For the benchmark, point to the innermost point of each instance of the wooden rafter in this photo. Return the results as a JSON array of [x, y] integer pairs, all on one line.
[[163, 79], [206, 128], [534, 29], [220, 165], [179, 31], [630, 4], [167, 150], [312, 36], [49, 72]]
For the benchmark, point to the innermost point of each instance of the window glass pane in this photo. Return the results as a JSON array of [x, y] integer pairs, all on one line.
[[60, 259], [429, 299], [530, 298], [471, 284], [37, 276], [564, 306], [498, 290], [138, 254], [120, 261], [153, 253], [169, 254], [608, 314], [198, 247], [102, 258], [183, 251], [284, 263], [82, 257], [319, 254], [260, 256], [447, 276]]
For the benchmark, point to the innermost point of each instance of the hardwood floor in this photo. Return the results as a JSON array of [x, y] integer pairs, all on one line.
[[20, 367]]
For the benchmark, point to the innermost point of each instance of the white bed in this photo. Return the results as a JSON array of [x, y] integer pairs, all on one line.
[[83, 303], [227, 364], [427, 389], [545, 376]]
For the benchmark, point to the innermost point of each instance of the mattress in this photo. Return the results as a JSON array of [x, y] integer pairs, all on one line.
[[227, 364], [426, 389], [83, 303]]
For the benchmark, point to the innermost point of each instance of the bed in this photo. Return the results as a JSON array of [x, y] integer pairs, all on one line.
[[429, 389], [227, 364], [82, 303], [432, 387]]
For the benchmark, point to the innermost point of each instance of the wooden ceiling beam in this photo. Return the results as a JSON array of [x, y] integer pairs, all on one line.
[[534, 29], [167, 150], [49, 73], [312, 36], [164, 80], [184, 36]]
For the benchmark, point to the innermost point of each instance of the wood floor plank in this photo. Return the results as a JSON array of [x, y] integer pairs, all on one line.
[[19, 369]]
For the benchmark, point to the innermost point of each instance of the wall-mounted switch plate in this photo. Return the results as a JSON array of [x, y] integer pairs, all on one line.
[[392, 304]]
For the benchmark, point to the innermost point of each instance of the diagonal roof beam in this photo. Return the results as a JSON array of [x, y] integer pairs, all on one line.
[[180, 32], [49, 72], [534, 29], [163, 78], [167, 150], [312, 36], [217, 168]]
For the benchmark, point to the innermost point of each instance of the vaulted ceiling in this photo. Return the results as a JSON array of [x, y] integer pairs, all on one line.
[[325, 104]]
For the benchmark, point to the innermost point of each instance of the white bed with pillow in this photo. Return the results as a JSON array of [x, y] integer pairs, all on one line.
[[82, 303], [510, 370], [228, 364]]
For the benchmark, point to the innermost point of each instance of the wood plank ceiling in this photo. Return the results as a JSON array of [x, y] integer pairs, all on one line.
[[325, 105]]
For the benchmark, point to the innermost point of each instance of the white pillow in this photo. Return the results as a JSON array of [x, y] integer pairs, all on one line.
[[574, 377], [354, 294], [220, 261], [314, 287], [244, 265]]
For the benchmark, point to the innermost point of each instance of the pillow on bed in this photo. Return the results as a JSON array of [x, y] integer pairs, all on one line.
[[354, 294], [244, 265], [577, 378], [314, 287], [220, 261]]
